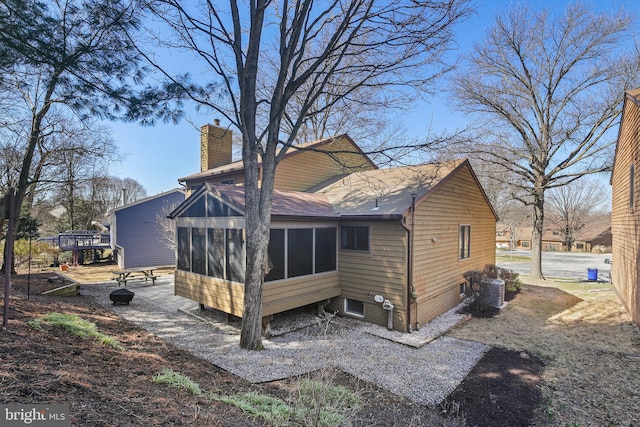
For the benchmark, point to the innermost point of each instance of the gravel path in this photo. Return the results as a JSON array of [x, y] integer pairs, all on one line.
[[424, 366]]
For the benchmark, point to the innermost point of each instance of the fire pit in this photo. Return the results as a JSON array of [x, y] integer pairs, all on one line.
[[121, 296]]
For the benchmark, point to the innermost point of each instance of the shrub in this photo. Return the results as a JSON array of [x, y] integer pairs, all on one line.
[[478, 282], [512, 283], [477, 290]]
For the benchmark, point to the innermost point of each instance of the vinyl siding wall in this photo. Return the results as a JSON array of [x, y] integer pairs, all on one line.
[[306, 169], [438, 270], [138, 235], [381, 271], [625, 219]]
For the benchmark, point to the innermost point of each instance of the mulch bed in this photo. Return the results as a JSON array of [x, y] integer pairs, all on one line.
[[502, 390], [106, 387]]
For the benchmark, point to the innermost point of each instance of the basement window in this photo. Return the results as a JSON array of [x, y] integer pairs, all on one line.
[[463, 289], [354, 307]]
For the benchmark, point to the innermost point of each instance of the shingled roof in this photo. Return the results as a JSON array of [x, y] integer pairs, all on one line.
[[374, 194], [385, 192]]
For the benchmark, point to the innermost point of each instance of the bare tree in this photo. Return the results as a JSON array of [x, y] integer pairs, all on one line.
[[274, 63], [68, 153], [571, 207], [546, 91], [167, 226]]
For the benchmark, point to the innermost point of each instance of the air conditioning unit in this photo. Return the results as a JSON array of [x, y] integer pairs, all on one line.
[[494, 296]]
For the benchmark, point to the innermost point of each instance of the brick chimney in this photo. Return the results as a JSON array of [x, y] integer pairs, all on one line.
[[215, 146]]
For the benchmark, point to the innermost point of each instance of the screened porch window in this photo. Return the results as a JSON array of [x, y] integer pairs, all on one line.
[[199, 250], [300, 252], [275, 263], [184, 251], [305, 250], [214, 252]]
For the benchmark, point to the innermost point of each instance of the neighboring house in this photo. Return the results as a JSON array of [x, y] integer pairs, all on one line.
[[365, 243], [625, 207], [137, 238], [520, 238], [594, 237]]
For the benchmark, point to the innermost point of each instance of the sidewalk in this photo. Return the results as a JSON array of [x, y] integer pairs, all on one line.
[[423, 366]]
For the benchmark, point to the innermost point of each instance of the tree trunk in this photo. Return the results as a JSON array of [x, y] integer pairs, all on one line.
[[251, 327], [536, 235]]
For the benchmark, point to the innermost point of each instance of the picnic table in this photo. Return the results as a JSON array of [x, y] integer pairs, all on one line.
[[122, 276]]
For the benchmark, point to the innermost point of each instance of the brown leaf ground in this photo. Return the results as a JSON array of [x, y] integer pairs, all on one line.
[[106, 387]]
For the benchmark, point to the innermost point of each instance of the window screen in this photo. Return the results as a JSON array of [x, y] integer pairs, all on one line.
[[236, 256], [199, 250], [215, 252], [300, 251], [197, 209], [184, 250], [325, 249], [276, 256]]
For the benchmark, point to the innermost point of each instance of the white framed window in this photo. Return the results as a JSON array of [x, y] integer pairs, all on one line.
[[464, 238], [354, 307], [463, 289], [632, 186]]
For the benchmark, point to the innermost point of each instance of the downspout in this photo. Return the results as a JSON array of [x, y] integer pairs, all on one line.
[[411, 296]]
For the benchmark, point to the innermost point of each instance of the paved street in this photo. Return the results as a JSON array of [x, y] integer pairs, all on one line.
[[566, 265]]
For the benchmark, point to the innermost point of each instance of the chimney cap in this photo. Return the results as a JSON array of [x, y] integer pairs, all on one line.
[[216, 122]]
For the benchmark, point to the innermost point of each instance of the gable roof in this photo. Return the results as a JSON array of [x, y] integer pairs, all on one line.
[[317, 145], [390, 192], [147, 199], [372, 194], [384, 191]]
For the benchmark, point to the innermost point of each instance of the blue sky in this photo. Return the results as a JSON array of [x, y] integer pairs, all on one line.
[[157, 156]]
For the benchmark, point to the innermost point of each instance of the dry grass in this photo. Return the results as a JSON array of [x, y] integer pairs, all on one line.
[[98, 273], [587, 340]]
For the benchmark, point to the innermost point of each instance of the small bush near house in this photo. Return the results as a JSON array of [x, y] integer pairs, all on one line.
[[512, 283], [478, 281]]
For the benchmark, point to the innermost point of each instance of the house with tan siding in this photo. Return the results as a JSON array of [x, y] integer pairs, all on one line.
[[388, 246], [625, 207]]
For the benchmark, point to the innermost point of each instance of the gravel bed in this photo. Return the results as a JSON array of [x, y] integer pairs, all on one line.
[[425, 373]]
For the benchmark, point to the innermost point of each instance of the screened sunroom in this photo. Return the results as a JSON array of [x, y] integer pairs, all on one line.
[[302, 257]]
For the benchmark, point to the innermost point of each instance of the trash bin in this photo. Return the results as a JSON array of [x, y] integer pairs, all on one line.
[[592, 274]]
